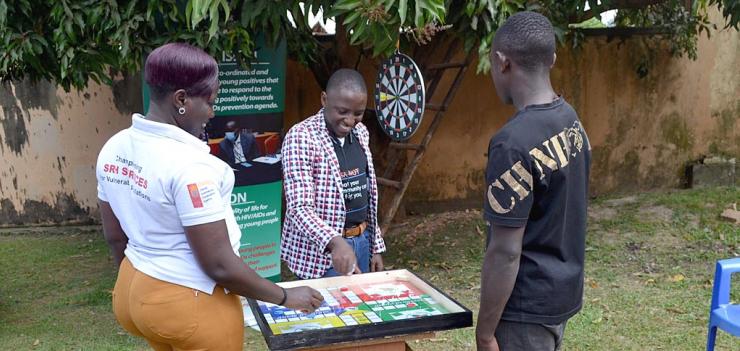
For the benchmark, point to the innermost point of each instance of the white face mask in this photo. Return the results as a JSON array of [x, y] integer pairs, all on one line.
[[230, 136]]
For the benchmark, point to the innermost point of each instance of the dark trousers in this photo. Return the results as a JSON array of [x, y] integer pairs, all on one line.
[[515, 336]]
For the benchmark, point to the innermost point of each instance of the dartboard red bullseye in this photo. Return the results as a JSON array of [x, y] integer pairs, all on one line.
[[399, 97]]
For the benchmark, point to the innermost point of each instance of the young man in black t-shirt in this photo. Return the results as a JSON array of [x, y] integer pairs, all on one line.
[[536, 198]]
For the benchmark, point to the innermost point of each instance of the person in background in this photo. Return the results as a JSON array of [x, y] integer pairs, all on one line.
[[166, 212], [331, 222], [238, 146], [536, 198]]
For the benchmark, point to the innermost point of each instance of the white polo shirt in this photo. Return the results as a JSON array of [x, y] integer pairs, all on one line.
[[159, 179]]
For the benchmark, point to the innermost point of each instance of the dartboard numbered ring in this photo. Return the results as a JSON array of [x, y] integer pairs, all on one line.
[[399, 97]]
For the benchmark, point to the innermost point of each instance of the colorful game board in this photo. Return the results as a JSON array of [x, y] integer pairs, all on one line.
[[379, 307], [353, 305]]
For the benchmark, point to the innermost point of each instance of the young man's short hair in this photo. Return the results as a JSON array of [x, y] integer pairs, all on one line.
[[346, 79], [528, 39]]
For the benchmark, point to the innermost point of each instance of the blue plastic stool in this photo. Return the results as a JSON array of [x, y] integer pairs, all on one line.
[[722, 314]]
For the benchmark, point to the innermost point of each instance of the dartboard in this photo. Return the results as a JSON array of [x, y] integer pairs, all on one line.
[[399, 97]]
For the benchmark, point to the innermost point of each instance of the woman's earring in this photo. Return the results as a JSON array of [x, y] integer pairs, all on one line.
[[181, 110]]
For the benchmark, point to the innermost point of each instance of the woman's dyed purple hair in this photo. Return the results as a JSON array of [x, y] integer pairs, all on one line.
[[180, 66]]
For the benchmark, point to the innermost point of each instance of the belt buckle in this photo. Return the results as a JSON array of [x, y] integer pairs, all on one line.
[[354, 231], [351, 232]]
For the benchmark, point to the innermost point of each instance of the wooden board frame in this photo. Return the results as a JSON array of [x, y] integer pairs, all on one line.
[[459, 316]]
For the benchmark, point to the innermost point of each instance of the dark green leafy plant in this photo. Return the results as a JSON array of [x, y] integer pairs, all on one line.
[[71, 42], [682, 25]]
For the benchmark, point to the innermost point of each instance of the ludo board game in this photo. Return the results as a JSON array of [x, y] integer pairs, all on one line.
[[359, 307]]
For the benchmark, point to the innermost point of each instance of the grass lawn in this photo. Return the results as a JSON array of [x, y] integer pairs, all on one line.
[[649, 270]]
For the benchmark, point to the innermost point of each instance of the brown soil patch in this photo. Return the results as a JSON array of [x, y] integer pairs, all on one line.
[[601, 213], [660, 214], [621, 201], [416, 226]]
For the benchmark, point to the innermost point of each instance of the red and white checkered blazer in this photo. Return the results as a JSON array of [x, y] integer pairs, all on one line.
[[313, 193]]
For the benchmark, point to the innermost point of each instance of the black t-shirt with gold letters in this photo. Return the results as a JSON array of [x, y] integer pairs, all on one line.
[[537, 176]]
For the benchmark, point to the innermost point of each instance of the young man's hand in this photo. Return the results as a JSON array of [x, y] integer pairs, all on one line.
[[342, 256], [486, 344], [376, 263], [303, 298]]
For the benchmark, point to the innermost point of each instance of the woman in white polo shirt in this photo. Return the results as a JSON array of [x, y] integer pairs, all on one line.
[[167, 217]]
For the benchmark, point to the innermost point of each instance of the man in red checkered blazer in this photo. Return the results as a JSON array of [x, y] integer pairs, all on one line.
[[331, 223]]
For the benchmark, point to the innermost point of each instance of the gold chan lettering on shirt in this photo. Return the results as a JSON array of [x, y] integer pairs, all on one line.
[[561, 147]]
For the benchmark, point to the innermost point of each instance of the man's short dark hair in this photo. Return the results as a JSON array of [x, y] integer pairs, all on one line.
[[528, 39], [346, 79]]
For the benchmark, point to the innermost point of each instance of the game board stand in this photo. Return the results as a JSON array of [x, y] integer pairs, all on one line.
[[397, 343]]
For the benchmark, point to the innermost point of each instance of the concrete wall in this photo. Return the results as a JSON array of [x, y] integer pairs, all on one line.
[[643, 130], [49, 142]]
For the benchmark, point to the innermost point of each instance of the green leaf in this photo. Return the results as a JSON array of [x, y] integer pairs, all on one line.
[[189, 12], [69, 31], [130, 8], [80, 22], [3, 13], [346, 5], [491, 9], [418, 18], [351, 18], [63, 66], [402, 8], [355, 36], [199, 10], [95, 15], [470, 8], [150, 9], [434, 8], [214, 16], [67, 10], [299, 17], [380, 48], [245, 16], [41, 40], [227, 10]]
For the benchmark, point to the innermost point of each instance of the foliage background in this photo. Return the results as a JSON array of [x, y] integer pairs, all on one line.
[[70, 42]]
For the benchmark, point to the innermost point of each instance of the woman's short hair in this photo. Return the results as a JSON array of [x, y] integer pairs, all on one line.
[[180, 66]]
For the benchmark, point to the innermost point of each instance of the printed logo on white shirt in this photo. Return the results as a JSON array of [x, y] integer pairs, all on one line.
[[201, 193]]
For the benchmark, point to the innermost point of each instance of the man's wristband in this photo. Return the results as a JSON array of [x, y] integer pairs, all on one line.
[[285, 296]]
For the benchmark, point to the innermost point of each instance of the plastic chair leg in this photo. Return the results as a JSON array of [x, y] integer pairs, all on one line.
[[710, 338]]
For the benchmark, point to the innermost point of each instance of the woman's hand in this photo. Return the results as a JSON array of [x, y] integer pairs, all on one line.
[[303, 298]]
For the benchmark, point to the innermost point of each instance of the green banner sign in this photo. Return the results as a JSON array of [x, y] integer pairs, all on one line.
[[257, 209], [257, 89]]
